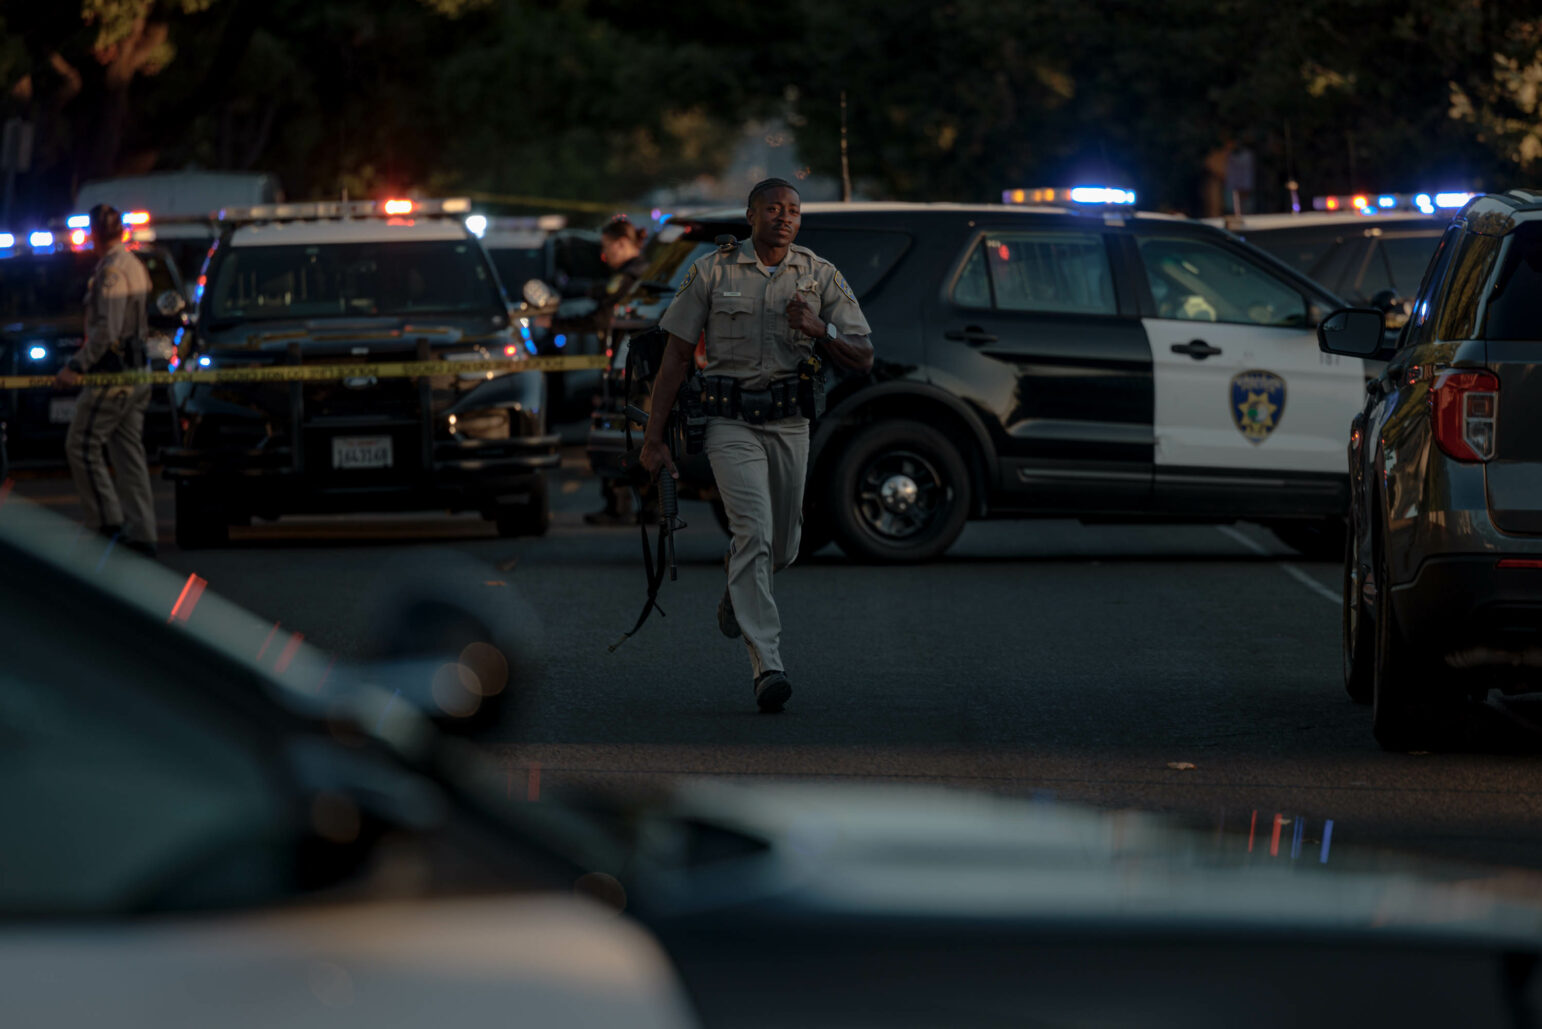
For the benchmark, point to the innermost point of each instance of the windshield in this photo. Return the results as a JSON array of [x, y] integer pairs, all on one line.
[[54, 285], [263, 283]]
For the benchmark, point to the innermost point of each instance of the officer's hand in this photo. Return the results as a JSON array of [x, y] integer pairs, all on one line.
[[801, 317], [654, 455], [67, 377]]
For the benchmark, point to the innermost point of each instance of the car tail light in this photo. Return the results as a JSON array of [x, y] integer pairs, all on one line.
[[1465, 408], [1520, 562]]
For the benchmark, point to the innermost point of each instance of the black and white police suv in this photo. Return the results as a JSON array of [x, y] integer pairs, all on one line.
[[340, 284], [1060, 360], [1369, 248], [1443, 574]]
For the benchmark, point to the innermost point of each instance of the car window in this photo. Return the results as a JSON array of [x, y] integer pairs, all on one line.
[[1456, 314], [1514, 309], [1195, 280], [1061, 272], [1398, 264], [1417, 329], [863, 256], [320, 280], [1302, 249], [518, 265]]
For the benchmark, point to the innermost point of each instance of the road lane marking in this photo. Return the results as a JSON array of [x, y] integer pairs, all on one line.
[[1285, 566]]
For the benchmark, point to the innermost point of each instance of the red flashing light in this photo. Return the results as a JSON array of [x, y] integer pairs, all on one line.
[[1333, 203], [78, 238], [1004, 252], [511, 350], [137, 218], [398, 207], [1361, 202], [1464, 407]]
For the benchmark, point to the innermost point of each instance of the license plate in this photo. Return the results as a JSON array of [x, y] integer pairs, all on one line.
[[361, 452], [61, 409]]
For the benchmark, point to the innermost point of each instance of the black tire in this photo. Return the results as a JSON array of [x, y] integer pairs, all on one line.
[[200, 521], [1358, 631], [899, 493], [528, 518], [1322, 540], [1415, 705]]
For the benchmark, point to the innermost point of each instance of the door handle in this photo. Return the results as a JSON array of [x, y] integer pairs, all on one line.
[[1197, 349], [971, 334]]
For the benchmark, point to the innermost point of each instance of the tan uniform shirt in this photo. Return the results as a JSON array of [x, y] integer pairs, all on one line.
[[116, 305], [742, 305]]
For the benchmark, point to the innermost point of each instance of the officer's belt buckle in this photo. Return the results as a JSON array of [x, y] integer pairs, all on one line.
[[755, 407]]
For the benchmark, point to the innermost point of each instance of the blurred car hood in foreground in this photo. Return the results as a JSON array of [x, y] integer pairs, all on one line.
[[463, 963]]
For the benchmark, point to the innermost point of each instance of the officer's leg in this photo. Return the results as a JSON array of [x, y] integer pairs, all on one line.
[[738, 456], [96, 413], [787, 462], [126, 447]]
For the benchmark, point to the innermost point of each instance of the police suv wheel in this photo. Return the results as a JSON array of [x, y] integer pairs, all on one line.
[[1415, 705], [1358, 629], [898, 493], [200, 521]]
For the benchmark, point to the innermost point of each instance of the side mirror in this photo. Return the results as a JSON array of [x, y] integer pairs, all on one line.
[[1352, 332], [170, 303]]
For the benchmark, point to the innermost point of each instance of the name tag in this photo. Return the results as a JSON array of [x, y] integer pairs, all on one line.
[[726, 293]]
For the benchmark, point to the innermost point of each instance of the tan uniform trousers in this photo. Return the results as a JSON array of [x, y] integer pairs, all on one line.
[[113, 420], [760, 471]]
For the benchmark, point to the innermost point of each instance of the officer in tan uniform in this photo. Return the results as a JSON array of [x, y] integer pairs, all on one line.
[[763, 303], [112, 419]]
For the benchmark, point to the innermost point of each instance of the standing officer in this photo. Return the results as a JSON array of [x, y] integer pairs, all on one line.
[[763, 303], [113, 417]]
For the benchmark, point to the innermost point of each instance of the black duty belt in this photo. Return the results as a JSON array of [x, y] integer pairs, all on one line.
[[724, 397]]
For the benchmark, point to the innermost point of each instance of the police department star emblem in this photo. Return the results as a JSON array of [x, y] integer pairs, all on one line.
[[840, 284], [1257, 404]]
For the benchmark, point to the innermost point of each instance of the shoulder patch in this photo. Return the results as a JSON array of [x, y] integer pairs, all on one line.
[[685, 283], [844, 287]]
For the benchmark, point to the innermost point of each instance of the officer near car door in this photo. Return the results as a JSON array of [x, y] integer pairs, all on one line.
[[763, 303], [109, 421]]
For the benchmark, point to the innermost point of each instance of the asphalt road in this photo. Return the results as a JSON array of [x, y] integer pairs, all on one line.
[[1066, 662]]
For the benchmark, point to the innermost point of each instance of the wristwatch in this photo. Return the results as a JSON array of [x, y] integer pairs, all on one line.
[[831, 332]]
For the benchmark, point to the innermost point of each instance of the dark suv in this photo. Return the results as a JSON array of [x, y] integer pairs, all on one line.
[[341, 284], [1053, 362], [1443, 572]]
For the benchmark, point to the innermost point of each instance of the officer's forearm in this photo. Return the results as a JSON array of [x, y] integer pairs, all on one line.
[[673, 369], [850, 350]]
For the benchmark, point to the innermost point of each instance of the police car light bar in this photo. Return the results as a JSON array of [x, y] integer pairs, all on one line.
[[393, 208], [1382, 203], [1091, 195], [78, 221]]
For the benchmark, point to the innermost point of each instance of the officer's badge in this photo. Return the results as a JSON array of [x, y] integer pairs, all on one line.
[[808, 284], [690, 277], [1257, 404], [840, 284]]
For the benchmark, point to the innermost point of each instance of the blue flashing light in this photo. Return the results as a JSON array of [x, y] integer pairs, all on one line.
[[1448, 200], [530, 345], [205, 361], [37, 353], [78, 221], [1386, 201], [41, 238], [177, 340], [476, 224], [559, 341], [1101, 195], [7, 241]]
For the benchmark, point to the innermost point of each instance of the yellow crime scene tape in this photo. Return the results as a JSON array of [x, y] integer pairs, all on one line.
[[322, 372]]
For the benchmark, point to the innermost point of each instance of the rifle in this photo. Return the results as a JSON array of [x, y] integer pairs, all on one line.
[[669, 502]]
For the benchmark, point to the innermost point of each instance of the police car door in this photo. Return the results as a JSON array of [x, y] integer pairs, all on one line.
[[1240, 383]]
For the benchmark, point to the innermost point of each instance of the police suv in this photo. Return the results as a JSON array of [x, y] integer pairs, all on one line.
[[1369, 248], [348, 284], [1059, 359], [43, 277], [1443, 577]]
